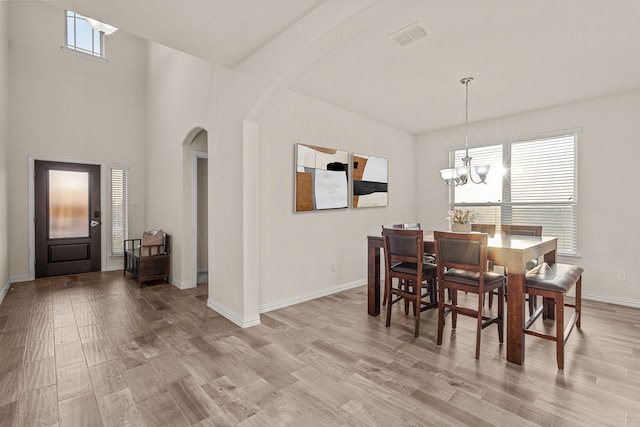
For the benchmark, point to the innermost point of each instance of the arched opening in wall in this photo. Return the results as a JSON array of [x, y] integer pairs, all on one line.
[[199, 210]]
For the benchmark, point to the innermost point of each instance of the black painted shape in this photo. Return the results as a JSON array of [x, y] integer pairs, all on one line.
[[361, 188]]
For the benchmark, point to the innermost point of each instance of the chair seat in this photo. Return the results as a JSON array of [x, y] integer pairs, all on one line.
[[556, 277], [471, 278], [411, 268]]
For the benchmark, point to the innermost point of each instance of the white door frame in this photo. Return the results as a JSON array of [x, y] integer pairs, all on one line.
[[32, 226]]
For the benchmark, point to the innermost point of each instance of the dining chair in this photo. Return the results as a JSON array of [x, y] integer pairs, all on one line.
[[522, 230], [462, 266], [490, 229], [553, 281], [428, 258], [404, 261]]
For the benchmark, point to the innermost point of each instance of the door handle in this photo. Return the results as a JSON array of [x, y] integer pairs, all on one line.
[[95, 223]]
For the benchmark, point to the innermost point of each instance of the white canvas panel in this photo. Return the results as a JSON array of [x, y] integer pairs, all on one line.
[[330, 189], [310, 158], [375, 170]]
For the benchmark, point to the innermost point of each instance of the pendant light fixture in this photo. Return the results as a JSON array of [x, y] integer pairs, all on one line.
[[462, 174]]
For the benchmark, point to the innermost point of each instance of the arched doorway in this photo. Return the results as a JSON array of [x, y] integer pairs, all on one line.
[[195, 199]]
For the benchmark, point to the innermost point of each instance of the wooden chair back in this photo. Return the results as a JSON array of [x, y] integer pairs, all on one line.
[[521, 230], [402, 245], [490, 229], [405, 226], [463, 251]]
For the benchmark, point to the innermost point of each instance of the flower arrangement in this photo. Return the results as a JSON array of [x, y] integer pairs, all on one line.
[[459, 216]]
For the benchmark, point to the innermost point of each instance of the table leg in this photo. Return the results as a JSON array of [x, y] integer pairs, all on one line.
[[373, 278], [549, 311], [515, 316]]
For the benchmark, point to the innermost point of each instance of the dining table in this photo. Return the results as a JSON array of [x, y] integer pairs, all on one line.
[[510, 251]]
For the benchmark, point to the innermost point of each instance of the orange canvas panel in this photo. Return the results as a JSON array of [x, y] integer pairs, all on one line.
[[358, 171], [304, 192]]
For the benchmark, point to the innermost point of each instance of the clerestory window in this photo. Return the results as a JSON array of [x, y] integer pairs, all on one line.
[[86, 35]]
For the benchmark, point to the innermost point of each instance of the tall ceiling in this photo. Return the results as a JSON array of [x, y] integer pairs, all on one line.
[[524, 55]]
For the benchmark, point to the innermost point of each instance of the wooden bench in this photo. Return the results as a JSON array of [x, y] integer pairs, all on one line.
[[149, 262], [554, 281]]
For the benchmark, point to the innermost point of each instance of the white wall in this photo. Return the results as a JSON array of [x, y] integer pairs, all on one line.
[[4, 147], [70, 107], [608, 204], [296, 250], [178, 90], [185, 95]]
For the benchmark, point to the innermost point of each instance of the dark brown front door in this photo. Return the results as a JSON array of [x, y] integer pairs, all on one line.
[[67, 208]]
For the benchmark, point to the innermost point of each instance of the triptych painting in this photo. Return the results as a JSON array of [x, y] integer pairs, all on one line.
[[322, 179]]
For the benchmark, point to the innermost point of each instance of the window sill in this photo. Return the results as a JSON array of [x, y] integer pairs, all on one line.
[[83, 55]]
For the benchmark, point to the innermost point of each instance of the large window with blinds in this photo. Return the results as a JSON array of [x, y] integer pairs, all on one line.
[[530, 182], [118, 209]]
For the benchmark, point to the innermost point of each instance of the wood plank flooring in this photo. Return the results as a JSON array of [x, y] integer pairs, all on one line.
[[97, 350]]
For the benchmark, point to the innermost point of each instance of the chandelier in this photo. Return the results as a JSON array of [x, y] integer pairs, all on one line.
[[462, 174]]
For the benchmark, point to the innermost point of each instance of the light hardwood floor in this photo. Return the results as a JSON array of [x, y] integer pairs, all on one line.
[[95, 349]]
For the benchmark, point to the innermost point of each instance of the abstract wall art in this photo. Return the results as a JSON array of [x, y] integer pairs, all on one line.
[[369, 181], [321, 178]]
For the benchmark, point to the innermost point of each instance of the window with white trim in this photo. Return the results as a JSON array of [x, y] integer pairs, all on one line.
[[531, 182], [81, 37], [118, 209]]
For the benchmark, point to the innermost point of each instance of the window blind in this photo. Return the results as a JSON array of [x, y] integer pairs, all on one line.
[[538, 186], [118, 210]]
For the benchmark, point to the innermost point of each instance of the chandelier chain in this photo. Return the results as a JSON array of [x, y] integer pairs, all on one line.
[[462, 175]]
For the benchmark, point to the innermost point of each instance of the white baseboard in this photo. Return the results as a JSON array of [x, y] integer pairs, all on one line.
[[5, 289], [612, 300], [203, 270], [16, 279], [182, 285], [113, 268], [308, 297], [243, 322]]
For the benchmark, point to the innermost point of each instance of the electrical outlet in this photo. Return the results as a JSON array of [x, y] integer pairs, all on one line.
[[622, 276], [334, 267]]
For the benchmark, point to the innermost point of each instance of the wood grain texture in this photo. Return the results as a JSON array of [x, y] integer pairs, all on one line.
[[80, 411], [157, 356], [73, 380]]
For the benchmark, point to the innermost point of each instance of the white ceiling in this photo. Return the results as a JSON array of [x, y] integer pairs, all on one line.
[[524, 55]]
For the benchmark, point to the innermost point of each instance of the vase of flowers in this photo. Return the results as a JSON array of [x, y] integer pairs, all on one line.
[[461, 220]]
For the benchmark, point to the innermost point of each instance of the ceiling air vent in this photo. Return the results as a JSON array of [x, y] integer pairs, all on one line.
[[409, 34]]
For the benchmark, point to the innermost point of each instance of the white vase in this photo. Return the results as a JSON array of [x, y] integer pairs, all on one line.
[[461, 228]]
